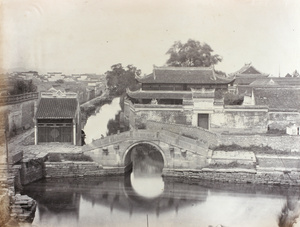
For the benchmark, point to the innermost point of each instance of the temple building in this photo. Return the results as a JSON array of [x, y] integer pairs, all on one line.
[[190, 96]]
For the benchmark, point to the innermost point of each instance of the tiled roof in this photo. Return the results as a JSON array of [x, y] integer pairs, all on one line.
[[244, 90], [287, 81], [56, 108], [159, 94], [269, 82], [264, 82], [248, 70], [184, 75], [244, 81], [278, 98]]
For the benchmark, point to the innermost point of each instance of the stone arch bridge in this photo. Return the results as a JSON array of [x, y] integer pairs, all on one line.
[[178, 151]]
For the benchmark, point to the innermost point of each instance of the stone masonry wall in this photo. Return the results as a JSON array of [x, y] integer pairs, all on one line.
[[32, 170], [78, 169], [237, 176]]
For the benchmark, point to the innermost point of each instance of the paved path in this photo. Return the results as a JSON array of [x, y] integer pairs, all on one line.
[[25, 142]]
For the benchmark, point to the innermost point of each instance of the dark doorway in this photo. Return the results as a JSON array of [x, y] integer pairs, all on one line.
[[203, 120]]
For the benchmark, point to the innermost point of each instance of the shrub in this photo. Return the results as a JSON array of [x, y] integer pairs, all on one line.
[[54, 157]]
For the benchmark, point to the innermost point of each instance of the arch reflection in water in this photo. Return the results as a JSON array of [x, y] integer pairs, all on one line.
[[146, 177], [149, 187]]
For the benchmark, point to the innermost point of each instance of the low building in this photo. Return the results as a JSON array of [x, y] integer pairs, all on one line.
[[292, 129], [58, 118]]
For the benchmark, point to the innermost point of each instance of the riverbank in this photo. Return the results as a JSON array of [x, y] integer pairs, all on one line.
[[89, 108]]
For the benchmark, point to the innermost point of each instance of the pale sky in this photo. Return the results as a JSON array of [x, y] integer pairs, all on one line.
[[89, 36]]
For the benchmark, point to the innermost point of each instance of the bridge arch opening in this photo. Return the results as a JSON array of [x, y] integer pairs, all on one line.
[[147, 161], [141, 153]]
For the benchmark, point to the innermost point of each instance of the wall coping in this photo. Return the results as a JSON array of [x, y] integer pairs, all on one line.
[[275, 169], [278, 156], [230, 170]]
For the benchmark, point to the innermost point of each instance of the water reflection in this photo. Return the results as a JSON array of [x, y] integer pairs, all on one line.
[[115, 201], [148, 187], [146, 177], [96, 125]]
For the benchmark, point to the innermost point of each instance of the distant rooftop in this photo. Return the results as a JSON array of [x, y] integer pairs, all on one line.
[[278, 98], [248, 70], [184, 75], [54, 72]]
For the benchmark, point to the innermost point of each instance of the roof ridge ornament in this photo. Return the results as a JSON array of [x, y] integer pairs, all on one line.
[[213, 72], [154, 67]]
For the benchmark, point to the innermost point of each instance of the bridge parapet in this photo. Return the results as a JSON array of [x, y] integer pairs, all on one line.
[[170, 138]]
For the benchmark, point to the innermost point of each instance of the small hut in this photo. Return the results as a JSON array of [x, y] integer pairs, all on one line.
[[58, 118]]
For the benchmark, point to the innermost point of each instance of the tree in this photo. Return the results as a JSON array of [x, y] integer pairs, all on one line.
[[296, 74], [119, 78], [22, 86], [60, 81], [192, 54]]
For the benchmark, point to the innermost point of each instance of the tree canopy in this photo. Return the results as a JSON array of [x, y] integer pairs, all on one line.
[[192, 54], [120, 78], [21, 87]]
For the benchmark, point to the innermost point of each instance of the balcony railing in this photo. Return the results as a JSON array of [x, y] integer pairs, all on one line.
[[13, 99]]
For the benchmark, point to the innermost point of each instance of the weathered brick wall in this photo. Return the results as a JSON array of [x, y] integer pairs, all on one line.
[[284, 142]]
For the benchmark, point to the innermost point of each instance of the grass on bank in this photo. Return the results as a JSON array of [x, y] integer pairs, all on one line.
[[255, 149], [60, 157]]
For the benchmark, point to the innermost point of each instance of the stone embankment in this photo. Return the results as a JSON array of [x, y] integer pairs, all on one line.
[[245, 167], [78, 169], [23, 208]]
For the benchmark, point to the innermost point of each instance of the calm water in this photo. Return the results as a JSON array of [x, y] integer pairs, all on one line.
[[127, 201], [96, 125]]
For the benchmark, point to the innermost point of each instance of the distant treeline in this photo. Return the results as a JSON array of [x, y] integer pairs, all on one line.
[[19, 86]]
